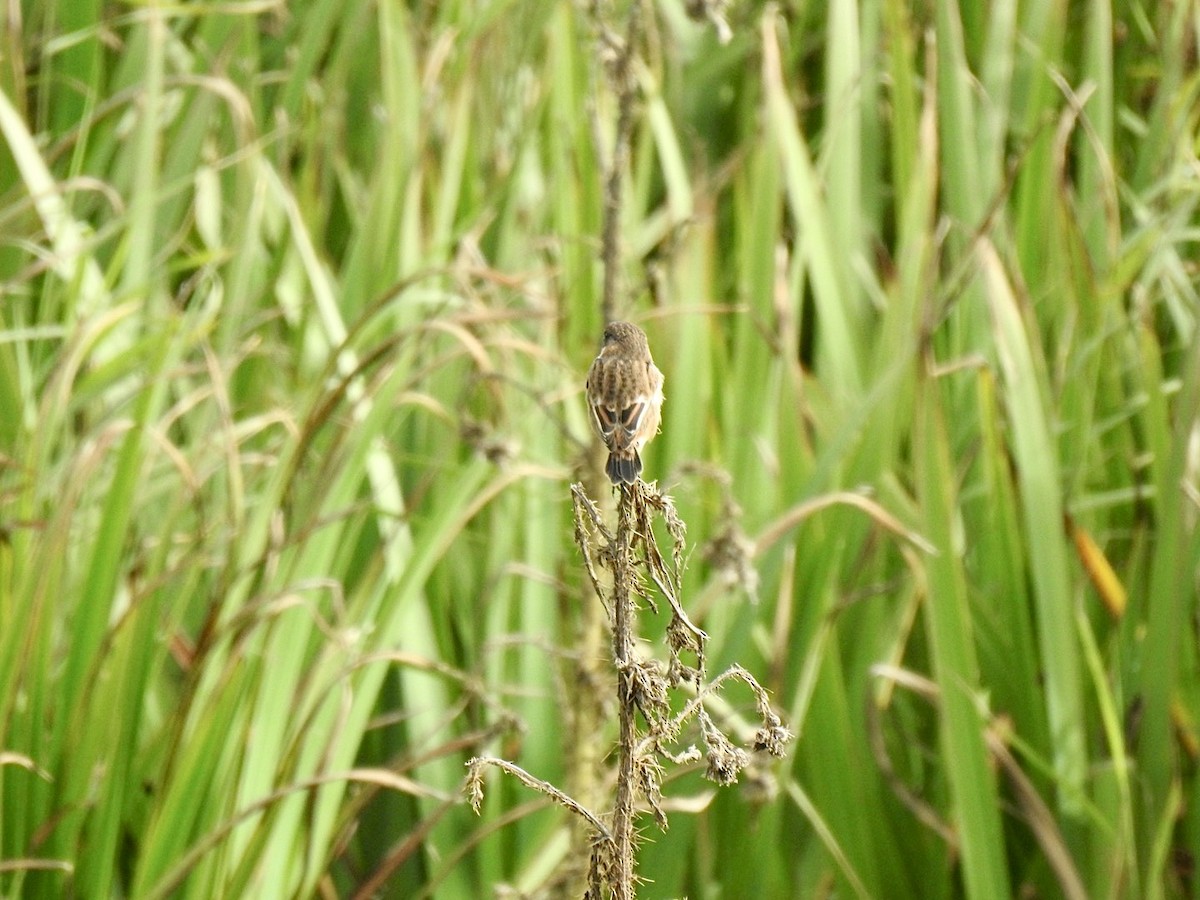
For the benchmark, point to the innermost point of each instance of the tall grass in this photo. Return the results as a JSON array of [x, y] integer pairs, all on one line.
[[295, 306]]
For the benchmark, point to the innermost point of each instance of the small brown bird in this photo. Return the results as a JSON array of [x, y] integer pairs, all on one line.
[[625, 395]]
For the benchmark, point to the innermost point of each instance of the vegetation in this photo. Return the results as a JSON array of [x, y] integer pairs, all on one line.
[[295, 305]]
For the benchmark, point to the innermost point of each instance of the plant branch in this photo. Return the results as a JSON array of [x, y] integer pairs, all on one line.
[[474, 788], [626, 88]]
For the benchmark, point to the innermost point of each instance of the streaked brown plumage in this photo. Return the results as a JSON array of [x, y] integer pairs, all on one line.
[[625, 395]]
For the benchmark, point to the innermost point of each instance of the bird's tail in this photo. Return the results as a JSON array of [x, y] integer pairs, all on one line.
[[624, 468]]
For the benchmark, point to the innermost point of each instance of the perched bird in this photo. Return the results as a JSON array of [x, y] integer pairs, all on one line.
[[625, 395]]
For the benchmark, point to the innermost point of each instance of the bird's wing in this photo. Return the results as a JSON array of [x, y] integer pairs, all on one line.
[[619, 427], [630, 425]]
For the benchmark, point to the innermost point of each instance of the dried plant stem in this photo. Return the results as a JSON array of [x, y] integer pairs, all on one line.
[[588, 716], [623, 615], [477, 764], [621, 878], [625, 85], [644, 685]]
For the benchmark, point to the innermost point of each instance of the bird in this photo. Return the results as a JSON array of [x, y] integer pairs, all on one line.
[[625, 395]]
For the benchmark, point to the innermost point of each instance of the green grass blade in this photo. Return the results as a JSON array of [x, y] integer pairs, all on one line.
[[973, 790], [1039, 482]]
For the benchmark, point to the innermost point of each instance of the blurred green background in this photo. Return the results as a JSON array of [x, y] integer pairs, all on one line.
[[296, 300]]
